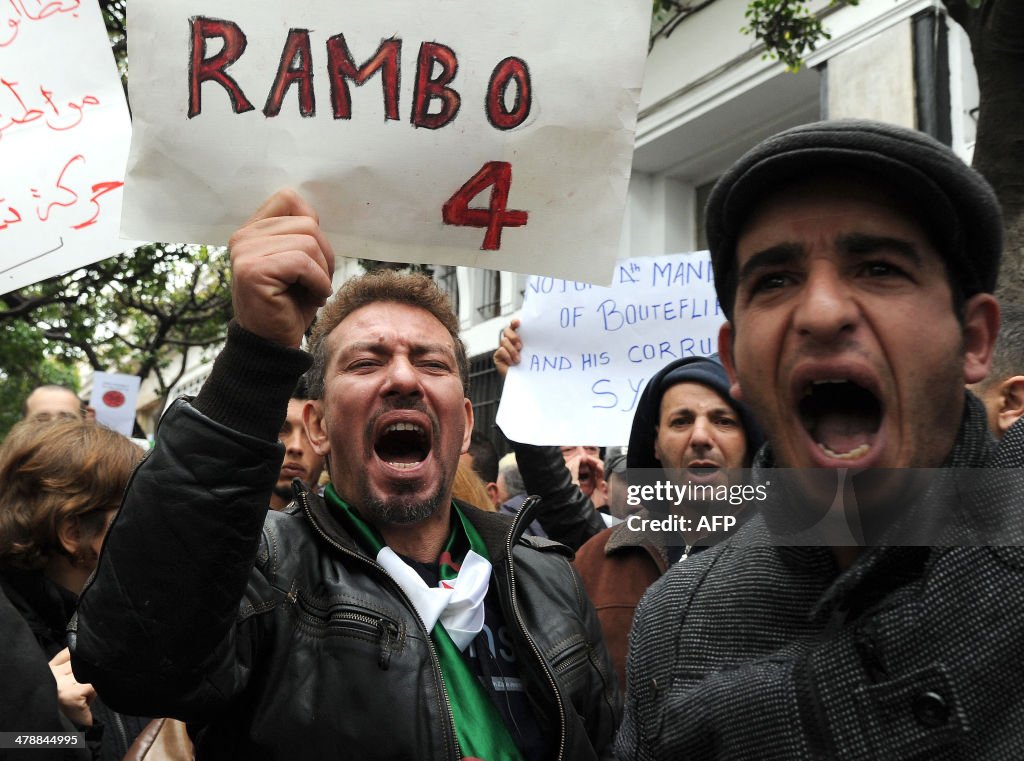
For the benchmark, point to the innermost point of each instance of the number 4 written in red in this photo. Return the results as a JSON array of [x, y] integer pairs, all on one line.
[[496, 175]]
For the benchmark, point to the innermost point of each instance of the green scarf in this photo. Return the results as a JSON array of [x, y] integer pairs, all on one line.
[[479, 727]]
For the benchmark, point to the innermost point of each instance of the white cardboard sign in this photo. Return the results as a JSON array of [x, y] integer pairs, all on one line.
[[64, 136], [114, 396], [588, 351], [495, 135]]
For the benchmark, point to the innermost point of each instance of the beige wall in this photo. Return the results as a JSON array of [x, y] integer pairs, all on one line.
[[875, 80]]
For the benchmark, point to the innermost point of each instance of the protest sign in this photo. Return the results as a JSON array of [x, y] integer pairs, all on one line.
[[589, 350], [64, 136], [113, 398], [495, 135]]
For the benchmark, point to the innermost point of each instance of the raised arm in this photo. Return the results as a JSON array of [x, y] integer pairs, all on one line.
[[157, 627], [566, 514]]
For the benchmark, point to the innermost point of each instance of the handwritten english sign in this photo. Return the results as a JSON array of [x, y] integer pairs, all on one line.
[[588, 351], [495, 135], [64, 136]]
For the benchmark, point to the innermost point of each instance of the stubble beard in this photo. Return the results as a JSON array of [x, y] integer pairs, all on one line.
[[401, 509]]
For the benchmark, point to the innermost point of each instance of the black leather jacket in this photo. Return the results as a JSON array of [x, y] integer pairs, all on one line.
[[325, 657]]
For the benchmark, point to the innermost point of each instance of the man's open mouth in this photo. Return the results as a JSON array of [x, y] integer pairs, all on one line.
[[402, 445], [841, 416]]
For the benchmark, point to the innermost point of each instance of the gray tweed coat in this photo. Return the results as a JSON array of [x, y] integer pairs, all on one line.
[[753, 651]]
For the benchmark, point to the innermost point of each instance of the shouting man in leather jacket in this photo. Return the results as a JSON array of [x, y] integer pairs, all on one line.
[[382, 621]]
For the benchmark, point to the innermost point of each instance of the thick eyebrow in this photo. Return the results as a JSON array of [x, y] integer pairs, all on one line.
[[378, 349], [783, 253], [853, 244], [860, 244], [687, 409]]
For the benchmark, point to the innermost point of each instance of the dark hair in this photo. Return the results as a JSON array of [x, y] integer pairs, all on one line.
[[301, 390], [56, 471], [485, 457], [377, 286]]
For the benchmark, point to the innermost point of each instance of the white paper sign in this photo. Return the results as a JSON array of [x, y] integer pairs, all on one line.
[[495, 135], [588, 351], [113, 397], [64, 135]]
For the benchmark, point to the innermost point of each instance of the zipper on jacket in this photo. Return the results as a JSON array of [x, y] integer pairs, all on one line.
[[122, 733], [303, 497], [577, 655], [387, 631], [518, 526]]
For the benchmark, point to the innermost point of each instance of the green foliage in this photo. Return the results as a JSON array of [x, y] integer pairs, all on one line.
[[787, 28], [133, 313], [23, 366], [114, 16]]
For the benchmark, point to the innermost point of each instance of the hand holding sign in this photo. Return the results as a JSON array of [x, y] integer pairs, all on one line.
[[281, 266], [508, 352]]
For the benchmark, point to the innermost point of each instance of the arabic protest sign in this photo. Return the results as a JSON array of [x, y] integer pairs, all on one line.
[[113, 398], [588, 350], [493, 135], [64, 135]]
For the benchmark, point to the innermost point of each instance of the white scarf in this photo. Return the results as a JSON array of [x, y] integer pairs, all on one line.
[[458, 603]]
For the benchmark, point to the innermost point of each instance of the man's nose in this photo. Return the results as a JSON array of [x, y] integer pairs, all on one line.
[[825, 309], [293, 441], [700, 435], [402, 378]]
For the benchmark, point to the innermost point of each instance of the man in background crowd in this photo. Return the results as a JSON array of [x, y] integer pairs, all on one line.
[[687, 429], [300, 460], [52, 401]]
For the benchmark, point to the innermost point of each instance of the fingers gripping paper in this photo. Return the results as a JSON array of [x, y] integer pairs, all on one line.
[[493, 135]]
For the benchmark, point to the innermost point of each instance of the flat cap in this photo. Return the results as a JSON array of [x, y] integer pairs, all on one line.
[[953, 202]]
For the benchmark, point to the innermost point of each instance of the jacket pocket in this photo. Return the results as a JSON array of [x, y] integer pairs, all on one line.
[[343, 619], [570, 662]]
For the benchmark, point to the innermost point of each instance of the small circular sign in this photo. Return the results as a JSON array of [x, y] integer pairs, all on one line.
[[113, 398]]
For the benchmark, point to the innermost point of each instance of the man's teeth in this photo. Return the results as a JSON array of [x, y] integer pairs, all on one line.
[[853, 454], [403, 427], [810, 386], [404, 465]]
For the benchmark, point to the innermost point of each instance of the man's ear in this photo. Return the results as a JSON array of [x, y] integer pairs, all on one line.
[[69, 534], [1011, 402], [467, 434], [725, 339], [981, 326], [492, 491], [316, 426]]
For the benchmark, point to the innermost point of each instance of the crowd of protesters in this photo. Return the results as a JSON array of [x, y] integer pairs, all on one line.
[[320, 557]]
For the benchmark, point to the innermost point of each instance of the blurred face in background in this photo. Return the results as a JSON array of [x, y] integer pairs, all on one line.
[[51, 402]]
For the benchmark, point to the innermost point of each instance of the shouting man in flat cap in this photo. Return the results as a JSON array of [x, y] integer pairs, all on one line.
[[856, 263]]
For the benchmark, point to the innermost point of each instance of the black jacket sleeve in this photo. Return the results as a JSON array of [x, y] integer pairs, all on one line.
[[156, 630], [567, 515]]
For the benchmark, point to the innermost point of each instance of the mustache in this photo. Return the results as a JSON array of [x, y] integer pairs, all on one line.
[[402, 403]]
